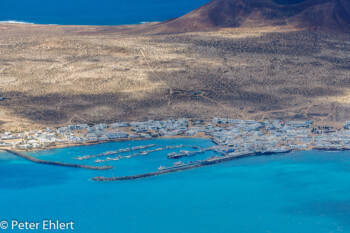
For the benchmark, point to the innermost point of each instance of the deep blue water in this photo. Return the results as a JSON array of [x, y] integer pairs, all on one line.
[[297, 192], [92, 12]]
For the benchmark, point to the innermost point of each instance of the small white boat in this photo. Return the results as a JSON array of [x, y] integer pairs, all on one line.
[[161, 168]]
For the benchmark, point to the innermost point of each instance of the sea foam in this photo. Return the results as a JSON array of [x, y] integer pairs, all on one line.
[[16, 22]]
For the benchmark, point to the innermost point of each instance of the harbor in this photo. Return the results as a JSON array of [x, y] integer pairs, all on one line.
[[232, 138], [175, 168], [142, 150], [179, 166], [181, 189]]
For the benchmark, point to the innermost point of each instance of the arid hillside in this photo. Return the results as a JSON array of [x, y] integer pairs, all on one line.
[[320, 15], [53, 75]]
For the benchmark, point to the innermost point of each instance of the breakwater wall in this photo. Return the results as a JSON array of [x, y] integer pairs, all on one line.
[[176, 169], [330, 149], [183, 168], [35, 160]]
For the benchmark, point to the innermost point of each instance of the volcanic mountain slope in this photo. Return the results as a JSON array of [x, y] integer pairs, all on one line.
[[323, 15]]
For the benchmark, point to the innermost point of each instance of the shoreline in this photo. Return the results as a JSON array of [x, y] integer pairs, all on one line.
[[68, 145], [20, 22], [231, 138], [85, 144], [204, 163]]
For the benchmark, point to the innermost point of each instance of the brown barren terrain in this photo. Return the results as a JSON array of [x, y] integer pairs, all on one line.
[[321, 15], [56, 75]]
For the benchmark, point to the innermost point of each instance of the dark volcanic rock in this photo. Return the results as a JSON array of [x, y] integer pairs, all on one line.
[[323, 15]]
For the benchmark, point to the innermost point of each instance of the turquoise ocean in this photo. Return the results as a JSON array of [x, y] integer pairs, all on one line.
[[287, 193]]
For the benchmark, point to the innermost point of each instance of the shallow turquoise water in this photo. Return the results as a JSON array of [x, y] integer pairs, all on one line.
[[92, 12], [296, 192]]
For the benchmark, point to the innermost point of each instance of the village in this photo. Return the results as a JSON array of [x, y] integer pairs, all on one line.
[[230, 135]]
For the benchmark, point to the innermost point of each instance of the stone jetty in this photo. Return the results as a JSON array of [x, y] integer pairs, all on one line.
[[35, 160], [207, 162]]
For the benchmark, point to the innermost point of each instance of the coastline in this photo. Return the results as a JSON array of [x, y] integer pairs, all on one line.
[[67, 145], [204, 163], [233, 139]]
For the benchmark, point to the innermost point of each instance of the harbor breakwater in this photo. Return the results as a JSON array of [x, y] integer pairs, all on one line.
[[172, 170], [186, 167], [35, 160]]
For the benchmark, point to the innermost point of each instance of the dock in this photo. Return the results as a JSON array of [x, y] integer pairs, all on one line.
[[35, 160], [175, 169], [204, 163]]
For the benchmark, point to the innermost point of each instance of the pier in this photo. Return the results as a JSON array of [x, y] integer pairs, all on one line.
[[204, 163], [35, 160], [117, 154], [183, 153]]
